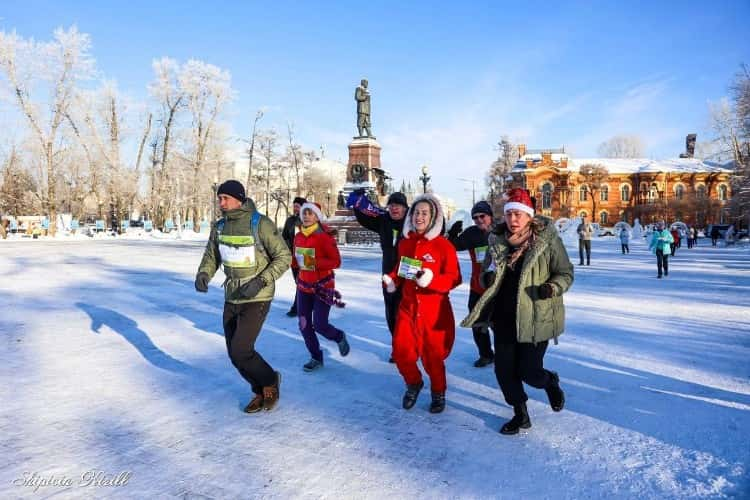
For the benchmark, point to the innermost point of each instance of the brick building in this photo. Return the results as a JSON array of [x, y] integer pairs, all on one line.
[[684, 189]]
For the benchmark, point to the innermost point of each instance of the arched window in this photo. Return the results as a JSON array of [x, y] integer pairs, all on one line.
[[546, 196], [582, 192], [723, 192], [625, 192], [653, 193], [623, 216], [603, 217], [701, 191], [604, 193], [679, 191]]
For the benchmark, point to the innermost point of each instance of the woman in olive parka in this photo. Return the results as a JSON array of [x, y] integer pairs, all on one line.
[[526, 271]]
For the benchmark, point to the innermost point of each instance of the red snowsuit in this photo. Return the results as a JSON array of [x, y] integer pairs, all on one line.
[[425, 327]]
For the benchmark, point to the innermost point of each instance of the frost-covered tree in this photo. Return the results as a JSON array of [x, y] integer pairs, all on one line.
[[622, 146], [43, 77], [498, 174]]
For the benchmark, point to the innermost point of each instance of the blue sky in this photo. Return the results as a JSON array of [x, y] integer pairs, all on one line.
[[447, 79]]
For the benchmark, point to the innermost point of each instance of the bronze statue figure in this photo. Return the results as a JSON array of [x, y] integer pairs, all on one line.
[[362, 96]]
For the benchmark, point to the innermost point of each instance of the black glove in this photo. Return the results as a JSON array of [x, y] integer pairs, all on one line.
[[252, 287], [455, 230], [201, 282], [546, 291]]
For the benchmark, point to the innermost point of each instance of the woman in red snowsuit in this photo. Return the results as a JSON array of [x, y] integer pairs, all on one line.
[[426, 270]]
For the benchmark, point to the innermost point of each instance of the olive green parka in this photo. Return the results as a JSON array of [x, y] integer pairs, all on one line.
[[270, 262], [547, 261]]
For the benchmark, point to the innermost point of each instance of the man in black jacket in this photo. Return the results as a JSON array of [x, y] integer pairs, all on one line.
[[389, 224], [292, 224]]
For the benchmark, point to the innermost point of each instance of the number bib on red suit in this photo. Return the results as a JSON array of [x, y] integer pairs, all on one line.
[[237, 251], [408, 268], [305, 258]]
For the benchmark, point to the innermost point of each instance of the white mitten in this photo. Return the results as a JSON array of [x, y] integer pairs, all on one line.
[[390, 286], [425, 279]]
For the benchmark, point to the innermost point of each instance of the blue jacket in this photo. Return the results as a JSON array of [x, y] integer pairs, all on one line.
[[663, 238]]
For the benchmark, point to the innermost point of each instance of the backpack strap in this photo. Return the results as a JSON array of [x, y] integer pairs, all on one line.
[[254, 223]]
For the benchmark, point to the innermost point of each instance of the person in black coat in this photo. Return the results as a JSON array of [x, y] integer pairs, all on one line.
[[389, 225], [291, 226], [474, 239]]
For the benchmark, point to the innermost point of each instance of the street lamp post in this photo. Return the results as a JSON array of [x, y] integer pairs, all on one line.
[[328, 200], [473, 189], [424, 178]]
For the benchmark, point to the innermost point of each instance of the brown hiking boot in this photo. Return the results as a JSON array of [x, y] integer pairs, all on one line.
[[255, 405], [271, 394]]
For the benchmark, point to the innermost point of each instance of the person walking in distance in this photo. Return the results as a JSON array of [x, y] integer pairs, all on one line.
[[291, 227], [388, 224], [661, 245], [426, 271], [254, 256], [625, 240], [585, 231], [527, 271], [474, 239], [316, 256]]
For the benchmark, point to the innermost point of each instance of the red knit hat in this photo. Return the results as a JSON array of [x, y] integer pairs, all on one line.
[[519, 199]]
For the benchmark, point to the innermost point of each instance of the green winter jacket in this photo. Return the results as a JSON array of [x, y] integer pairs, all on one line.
[[547, 261], [270, 262]]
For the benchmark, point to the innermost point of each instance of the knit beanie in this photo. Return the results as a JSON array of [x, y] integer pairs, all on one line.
[[481, 207], [397, 198], [232, 188]]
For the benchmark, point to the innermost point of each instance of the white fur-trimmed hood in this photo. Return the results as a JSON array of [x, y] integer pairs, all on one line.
[[436, 226]]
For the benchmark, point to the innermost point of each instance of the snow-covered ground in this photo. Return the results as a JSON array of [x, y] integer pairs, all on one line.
[[112, 368]]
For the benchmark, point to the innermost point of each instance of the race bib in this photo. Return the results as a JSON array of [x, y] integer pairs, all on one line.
[[480, 252], [408, 268], [237, 251], [305, 258]]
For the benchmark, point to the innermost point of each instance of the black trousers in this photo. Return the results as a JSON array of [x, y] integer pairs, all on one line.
[[625, 248], [481, 333], [517, 363], [242, 324], [662, 261], [392, 300], [585, 245]]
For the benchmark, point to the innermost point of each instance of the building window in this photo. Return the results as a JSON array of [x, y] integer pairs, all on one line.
[[722, 190], [546, 196], [625, 193], [603, 218], [679, 191], [582, 193], [701, 191], [623, 216], [604, 193], [653, 193]]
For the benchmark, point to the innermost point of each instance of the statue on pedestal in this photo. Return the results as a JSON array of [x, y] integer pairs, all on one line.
[[362, 96]]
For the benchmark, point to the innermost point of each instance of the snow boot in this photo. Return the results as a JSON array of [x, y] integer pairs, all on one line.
[[555, 395], [438, 402], [312, 365], [411, 394], [520, 420], [343, 346], [255, 405], [271, 394], [482, 362]]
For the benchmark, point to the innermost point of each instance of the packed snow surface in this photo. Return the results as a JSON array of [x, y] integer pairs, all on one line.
[[115, 383]]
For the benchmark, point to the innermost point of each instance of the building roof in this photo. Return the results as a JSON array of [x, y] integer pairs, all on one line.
[[633, 165]]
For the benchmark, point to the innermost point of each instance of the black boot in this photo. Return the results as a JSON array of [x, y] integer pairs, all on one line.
[[555, 395], [520, 420], [438, 402], [411, 394]]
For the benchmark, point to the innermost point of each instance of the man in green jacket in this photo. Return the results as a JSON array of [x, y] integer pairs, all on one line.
[[254, 256]]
